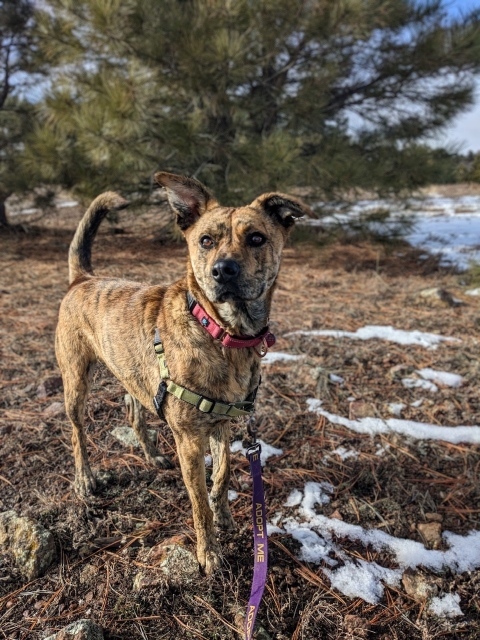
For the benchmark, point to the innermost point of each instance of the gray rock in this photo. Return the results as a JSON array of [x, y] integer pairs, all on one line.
[[32, 546], [54, 409], [79, 630], [126, 435], [418, 586], [437, 296], [174, 564], [431, 532]]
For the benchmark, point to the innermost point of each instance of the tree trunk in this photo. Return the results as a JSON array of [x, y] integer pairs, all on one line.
[[3, 214]]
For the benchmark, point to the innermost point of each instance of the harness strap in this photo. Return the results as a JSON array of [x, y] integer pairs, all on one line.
[[202, 403]]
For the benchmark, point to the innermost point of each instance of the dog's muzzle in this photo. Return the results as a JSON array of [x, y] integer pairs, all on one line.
[[224, 271]]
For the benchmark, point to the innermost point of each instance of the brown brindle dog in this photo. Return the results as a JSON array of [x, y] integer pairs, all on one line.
[[233, 262]]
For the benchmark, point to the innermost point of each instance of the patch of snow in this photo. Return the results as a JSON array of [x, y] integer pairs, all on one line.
[[361, 579], [442, 377], [448, 227], [344, 454], [411, 383], [279, 356], [369, 332], [396, 408], [267, 450], [381, 451], [294, 498], [319, 535], [232, 495], [208, 460], [447, 605], [418, 430], [315, 493], [67, 204], [417, 403], [272, 528], [473, 292], [452, 237], [336, 379]]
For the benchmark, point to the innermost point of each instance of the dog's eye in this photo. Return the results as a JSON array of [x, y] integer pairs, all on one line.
[[256, 239], [206, 242]]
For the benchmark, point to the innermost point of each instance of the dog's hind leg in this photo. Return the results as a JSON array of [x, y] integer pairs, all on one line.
[[76, 383], [220, 449], [136, 418]]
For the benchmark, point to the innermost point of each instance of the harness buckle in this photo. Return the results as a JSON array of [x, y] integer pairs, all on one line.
[[200, 400]]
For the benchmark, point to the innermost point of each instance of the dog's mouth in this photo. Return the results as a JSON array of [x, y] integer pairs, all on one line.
[[231, 294]]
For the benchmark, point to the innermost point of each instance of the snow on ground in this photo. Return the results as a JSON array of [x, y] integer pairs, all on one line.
[[442, 378], [396, 408], [267, 450], [419, 430], [449, 227], [426, 385], [447, 605], [319, 538], [279, 356], [370, 332]]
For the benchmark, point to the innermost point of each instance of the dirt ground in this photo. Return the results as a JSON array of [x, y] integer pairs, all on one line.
[[101, 542]]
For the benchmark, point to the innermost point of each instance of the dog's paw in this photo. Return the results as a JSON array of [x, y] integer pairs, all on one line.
[[85, 483], [212, 562], [160, 462]]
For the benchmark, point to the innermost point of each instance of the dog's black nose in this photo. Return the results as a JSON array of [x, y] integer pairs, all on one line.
[[225, 270]]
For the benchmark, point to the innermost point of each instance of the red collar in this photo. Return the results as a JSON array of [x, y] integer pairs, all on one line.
[[264, 338]]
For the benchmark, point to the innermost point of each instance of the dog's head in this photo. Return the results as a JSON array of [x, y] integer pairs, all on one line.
[[234, 252]]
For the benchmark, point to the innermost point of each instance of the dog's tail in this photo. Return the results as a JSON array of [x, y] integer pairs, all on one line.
[[79, 254]]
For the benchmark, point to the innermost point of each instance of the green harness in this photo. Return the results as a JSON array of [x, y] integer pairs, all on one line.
[[206, 405]]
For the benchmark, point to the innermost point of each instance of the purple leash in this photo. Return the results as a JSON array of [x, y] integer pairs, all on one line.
[[260, 539]]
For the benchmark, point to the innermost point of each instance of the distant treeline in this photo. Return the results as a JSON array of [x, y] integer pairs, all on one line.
[[450, 168], [245, 95]]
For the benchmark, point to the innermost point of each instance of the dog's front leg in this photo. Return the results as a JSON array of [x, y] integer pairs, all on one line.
[[191, 453], [220, 449]]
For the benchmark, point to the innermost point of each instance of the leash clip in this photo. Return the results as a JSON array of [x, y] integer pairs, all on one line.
[[252, 431]]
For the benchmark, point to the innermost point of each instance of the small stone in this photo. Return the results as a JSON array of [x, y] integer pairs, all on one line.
[[49, 386], [417, 586], [80, 630], [356, 626], [88, 573], [434, 517], [126, 435], [361, 409], [173, 564], [336, 515], [54, 409], [32, 546], [431, 532], [436, 296]]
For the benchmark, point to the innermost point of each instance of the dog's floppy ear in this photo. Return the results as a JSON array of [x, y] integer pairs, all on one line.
[[282, 208], [187, 197]]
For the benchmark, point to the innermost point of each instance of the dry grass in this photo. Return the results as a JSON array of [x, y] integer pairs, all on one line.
[[100, 541]]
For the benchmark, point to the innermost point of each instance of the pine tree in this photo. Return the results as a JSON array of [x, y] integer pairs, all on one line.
[[17, 52], [249, 95]]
